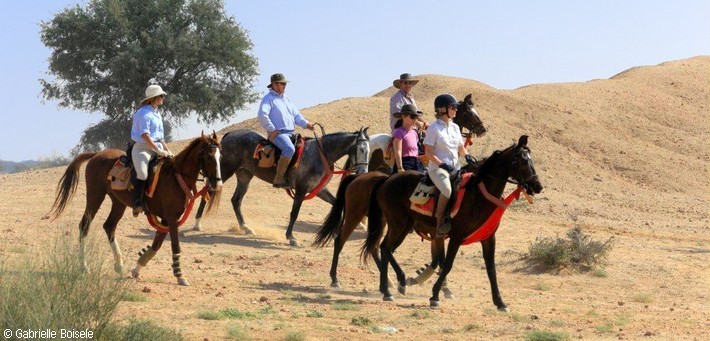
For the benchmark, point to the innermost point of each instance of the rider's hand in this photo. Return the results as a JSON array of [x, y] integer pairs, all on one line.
[[310, 126], [447, 167], [470, 159], [164, 153], [272, 135]]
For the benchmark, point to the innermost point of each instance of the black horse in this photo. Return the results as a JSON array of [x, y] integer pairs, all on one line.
[[237, 159], [390, 203]]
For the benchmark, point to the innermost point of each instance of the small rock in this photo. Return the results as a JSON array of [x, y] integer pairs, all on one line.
[[672, 309], [197, 260], [529, 327], [597, 179], [620, 303], [263, 299], [146, 290], [534, 317], [649, 334], [219, 294]]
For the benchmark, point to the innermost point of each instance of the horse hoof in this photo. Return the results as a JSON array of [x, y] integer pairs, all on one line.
[[294, 242], [197, 228], [503, 309], [248, 231], [135, 274], [182, 281], [434, 304], [402, 289], [447, 293], [388, 298], [335, 284]]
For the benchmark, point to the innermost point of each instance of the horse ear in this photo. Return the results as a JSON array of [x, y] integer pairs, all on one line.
[[523, 141], [214, 135], [202, 134], [468, 99], [365, 131]]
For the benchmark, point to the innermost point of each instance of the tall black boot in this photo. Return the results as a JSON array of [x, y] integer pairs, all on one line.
[[138, 191], [443, 221]]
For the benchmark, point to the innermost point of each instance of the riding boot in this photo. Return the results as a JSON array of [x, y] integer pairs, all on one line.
[[443, 221], [138, 191], [280, 180]]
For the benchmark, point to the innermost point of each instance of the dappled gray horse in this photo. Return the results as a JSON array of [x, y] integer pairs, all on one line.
[[237, 159]]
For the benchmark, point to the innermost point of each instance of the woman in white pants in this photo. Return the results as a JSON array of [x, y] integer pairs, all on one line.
[[148, 134], [443, 145]]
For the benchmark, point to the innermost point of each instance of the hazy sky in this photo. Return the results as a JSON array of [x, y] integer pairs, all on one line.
[[334, 49]]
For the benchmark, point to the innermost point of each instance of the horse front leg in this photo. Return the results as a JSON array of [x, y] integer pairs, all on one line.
[[197, 226], [489, 251], [297, 201], [175, 244], [243, 180], [147, 253], [445, 269]]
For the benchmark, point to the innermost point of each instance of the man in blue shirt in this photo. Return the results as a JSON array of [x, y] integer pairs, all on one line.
[[278, 116]]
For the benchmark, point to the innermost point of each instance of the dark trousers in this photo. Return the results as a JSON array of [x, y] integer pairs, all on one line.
[[410, 163]]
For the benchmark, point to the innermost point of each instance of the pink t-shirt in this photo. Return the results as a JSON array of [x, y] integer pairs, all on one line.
[[409, 141]]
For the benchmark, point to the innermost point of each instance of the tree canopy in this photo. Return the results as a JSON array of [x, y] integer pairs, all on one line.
[[105, 54]]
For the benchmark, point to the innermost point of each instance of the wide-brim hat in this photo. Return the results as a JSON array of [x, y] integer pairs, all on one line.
[[404, 77], [277, 78], [408, 109], [153, 91]]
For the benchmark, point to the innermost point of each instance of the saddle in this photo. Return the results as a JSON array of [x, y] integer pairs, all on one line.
[[123, 175], [426, 195], [268, 154]]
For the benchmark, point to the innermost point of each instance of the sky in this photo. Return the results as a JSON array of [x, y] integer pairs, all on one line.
[[330, 50]]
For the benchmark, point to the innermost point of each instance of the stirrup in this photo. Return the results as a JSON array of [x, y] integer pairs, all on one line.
[[445, 227]]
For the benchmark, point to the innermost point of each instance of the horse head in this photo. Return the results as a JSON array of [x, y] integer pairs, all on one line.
[[522, 168], [467, 117], [209, 159], [360, 152]]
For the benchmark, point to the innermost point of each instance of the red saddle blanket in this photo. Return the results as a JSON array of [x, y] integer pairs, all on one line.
[[429, 207]]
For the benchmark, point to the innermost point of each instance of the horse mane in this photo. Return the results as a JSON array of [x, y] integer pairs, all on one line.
[[487, 166], [169, 164]]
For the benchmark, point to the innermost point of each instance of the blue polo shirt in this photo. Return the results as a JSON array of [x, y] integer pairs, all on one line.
[[147, 120], [276, 112]]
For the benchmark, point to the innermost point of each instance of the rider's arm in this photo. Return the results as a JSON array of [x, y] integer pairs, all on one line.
[[429, 152], [397, 147], [263, 115]]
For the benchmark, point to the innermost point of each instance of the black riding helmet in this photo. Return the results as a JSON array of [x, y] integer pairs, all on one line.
[[444, 100]]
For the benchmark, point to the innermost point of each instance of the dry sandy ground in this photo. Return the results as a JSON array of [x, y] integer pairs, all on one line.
[[624, 157]]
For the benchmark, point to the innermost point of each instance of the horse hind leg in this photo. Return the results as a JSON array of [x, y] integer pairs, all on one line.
[[94, 199], [117, 211]]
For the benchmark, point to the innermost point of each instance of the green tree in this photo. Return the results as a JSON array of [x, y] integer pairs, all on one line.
[[105, 54]]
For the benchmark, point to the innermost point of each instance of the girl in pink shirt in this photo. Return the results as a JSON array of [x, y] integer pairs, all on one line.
[[404, 140]]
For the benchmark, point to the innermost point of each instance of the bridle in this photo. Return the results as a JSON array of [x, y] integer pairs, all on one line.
[[204, 152], [517, 174], [360, 160]]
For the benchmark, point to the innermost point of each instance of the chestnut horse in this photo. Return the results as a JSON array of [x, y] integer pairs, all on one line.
[[390, 203], [168, 203]]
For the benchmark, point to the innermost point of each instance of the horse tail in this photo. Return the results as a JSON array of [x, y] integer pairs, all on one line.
[[334, 221], [67, 185], [374, 224]]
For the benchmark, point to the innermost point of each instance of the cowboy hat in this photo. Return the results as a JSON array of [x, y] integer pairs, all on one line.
[[153, 91], [408, 109], [277, 78], [404, 77]]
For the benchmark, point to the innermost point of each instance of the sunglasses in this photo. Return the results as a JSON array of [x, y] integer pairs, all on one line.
[[454, 106], [408, 82]]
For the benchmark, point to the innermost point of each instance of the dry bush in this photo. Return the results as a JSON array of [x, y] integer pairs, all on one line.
[[578, 251]]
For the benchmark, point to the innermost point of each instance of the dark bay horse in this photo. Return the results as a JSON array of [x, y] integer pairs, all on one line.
[[168, 203], [340, 226], [239, 145], [390, 203]]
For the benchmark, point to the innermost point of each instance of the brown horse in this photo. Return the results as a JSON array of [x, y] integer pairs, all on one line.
[[168, 203], [354, 194], [390, 203]]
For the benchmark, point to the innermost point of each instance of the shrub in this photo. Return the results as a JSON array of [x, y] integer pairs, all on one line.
[[54, 291], [545, 335], [578, 251]]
